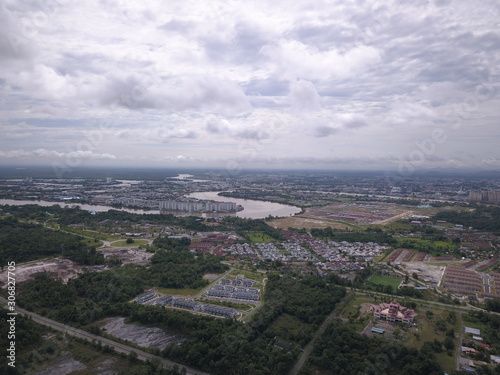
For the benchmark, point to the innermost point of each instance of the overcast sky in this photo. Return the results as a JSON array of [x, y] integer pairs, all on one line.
[[244, 84]]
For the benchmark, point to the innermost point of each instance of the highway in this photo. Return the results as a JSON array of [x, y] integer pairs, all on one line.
[[118, 347]]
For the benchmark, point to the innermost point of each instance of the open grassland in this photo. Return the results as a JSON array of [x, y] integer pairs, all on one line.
[[352, 308], [384, 280], [180, 292], [301, 222], [427, 330], [123, 243], [258, 237]]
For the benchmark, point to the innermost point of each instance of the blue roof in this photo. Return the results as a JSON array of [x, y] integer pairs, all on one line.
[[378, 330]]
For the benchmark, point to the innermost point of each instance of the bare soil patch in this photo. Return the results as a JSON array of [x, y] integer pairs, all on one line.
[[148, 337], [426, 271], [127, 255], [64, 269], [63, 365], [300, 222]]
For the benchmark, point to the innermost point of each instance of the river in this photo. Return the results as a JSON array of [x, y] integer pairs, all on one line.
[[87, 207], [252, 209]]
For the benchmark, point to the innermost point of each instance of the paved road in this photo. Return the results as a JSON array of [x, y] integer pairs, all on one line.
[[456, 308], [119, 347], [307, 351], [460, 338], [486, 282]]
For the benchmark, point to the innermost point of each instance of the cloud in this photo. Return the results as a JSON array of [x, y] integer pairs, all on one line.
[[15, 37], [200, 79], [304, 96], [52, 154], [216, 125], [177, 94]]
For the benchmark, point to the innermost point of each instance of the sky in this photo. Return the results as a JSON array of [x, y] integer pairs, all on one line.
[[251, 84]]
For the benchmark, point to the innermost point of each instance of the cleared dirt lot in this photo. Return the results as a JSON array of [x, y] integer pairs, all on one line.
[[148, 337], [425, 270], [301, 221], [64, 269], [63, 365], [127, 254]]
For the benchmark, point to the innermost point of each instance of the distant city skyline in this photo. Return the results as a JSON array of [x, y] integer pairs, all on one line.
[[240, 85]]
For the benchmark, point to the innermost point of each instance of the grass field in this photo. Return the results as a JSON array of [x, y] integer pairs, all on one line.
[[384, 280], [123, 243], [300, 222], [180, 292], [258, 237], [352, 307], [248, 275], [428, 332]]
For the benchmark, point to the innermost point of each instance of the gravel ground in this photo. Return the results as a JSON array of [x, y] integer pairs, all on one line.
[[65, 364], [149, 337]]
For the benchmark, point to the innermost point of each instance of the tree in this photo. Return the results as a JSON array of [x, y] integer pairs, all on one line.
[[129, 241], [415, 275]]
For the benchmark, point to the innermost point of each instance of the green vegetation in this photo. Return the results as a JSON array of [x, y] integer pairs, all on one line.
[[223, 346], [383, 280], [481, 218], [179, 268], [256, 237], [127, 243], [340, 350], [23, 242], [369, 235], [294, 303], [248, 275], [28, 338], [427, 246]]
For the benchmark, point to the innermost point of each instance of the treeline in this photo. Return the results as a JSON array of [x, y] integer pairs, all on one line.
[[493, 305], [83, 300], [491, 333], [426, 246], [241, 225], [68, 216], [342, 351], [485, 218], [373, 235], [91, 296], [218, 346], [231, 347], [23, 242], [181, 268], [28, 335]]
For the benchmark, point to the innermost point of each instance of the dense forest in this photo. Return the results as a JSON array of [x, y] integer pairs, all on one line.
[[249, 348], [293, 310], [23, 242], [181, 268], [342, 351], [66, 217], [28, 338], [92, 294], [485, 218]]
